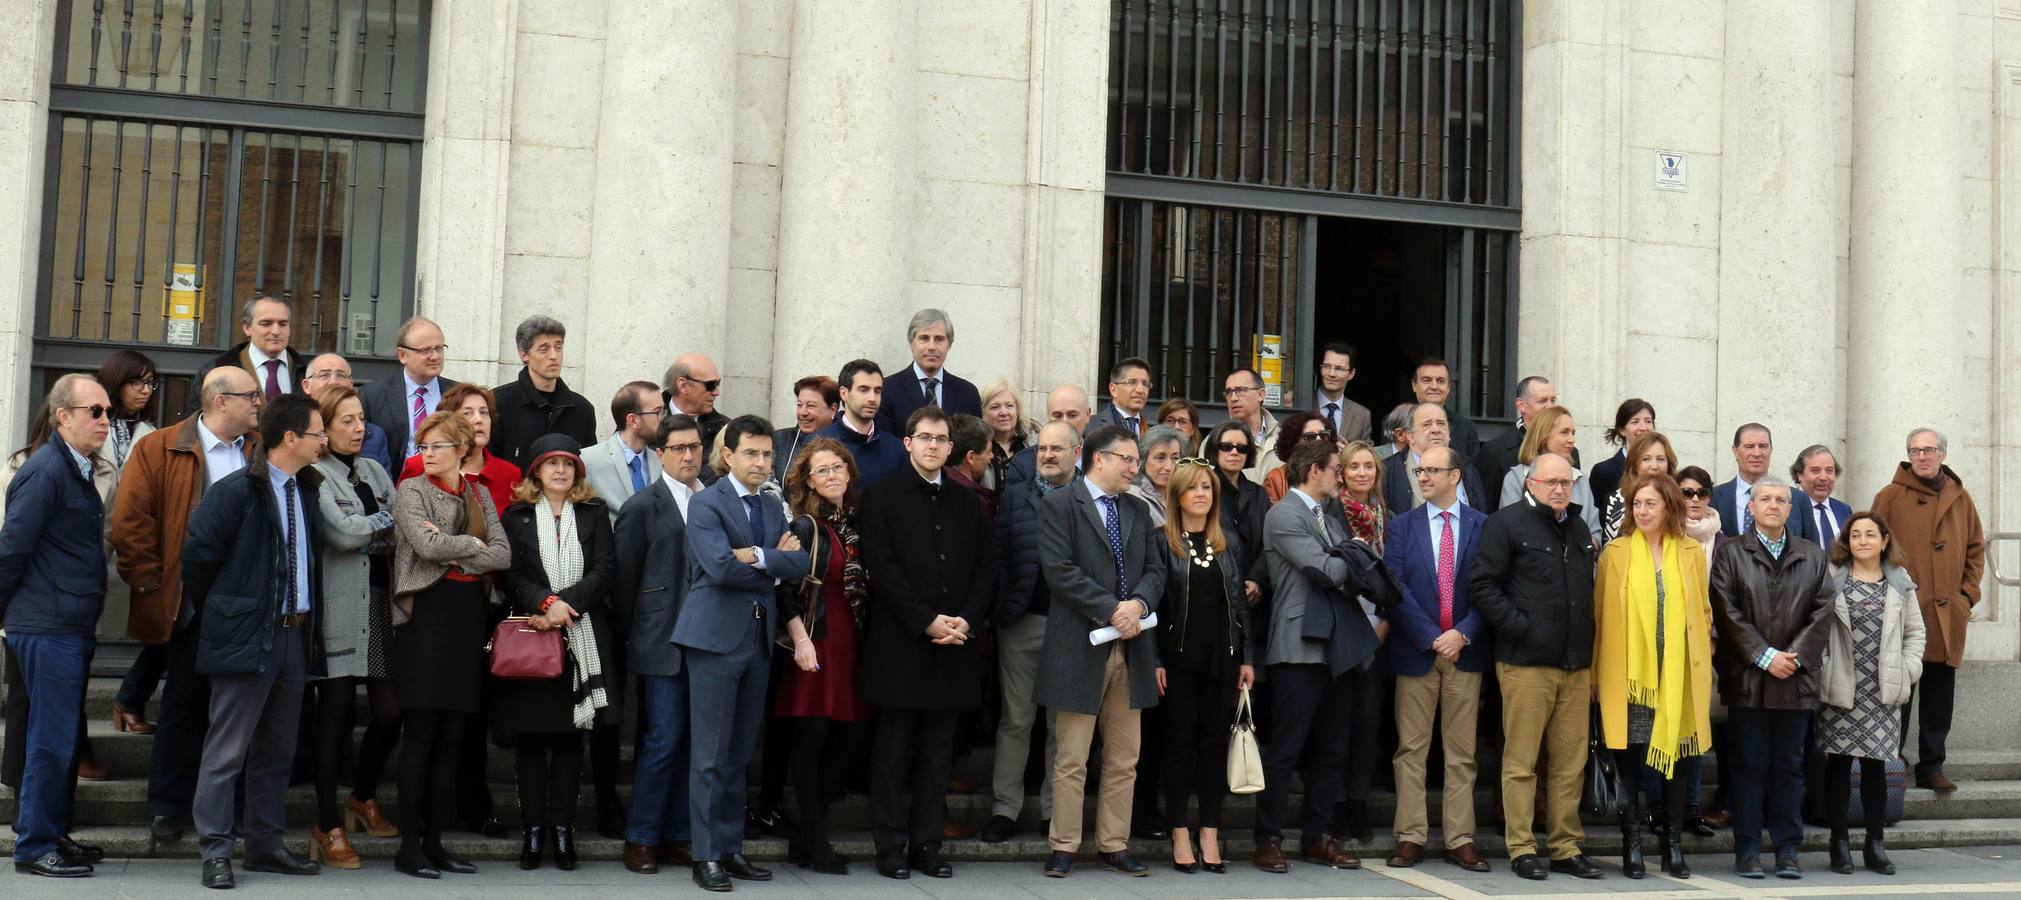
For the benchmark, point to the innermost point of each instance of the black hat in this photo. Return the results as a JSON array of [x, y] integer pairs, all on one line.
[[550, 444]]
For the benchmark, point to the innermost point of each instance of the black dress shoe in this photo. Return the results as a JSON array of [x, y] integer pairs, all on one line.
[[925, 859], [441, 858], [491, 828], [281, 862], [1576, 866], [736, 866], [1748, 867], [1150, 831], [53, 865], [1123, 862], [1697, 825], [997, 830], [1786, 866], [165, 829], [891, 863], [532, 843], [563, 839], [1876, 857], [1059, 864], [79, 853], [218, 874], [1530, 866], [415, 863], [772, 821], [709, 876]]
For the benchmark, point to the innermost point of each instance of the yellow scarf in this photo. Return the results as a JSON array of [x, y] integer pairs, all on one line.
[[1664, 687]]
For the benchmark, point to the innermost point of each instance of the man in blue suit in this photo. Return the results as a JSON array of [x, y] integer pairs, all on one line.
[[929, 335], [1753, 445], [1129, 393], [1817, 516], [1438, 648], [738, 551]]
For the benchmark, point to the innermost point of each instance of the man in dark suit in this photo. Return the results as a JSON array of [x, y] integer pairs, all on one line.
[[1753, 446], [1400, 489], [651, 536], [930, 335], [1104, 566], [1498, 454], [1433, 383], [399, 404], [1349, 419], [1311, 707], [250, 563], [1129, 392], [738, 551], [264, 353], [1817, 516], [932, 568], [1440, 651], [538, 403]]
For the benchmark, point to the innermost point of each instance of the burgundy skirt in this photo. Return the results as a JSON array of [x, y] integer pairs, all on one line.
[[829, 692]]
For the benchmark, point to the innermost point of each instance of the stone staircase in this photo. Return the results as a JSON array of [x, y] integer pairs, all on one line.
[[1985, 810]]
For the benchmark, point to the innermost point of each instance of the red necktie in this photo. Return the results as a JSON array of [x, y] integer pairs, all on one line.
[[1445, 572], [273, 378]]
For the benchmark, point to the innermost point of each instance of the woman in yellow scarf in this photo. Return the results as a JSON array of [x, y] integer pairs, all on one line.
[[1652, 658]]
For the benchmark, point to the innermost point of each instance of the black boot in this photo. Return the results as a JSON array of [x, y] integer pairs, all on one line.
[[1841, 852], [1631, 836], [1876, 856], [1673, 855], [563, 839], [532, 843]]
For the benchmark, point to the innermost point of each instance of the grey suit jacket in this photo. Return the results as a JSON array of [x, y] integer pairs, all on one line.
[[1080, 570], [385, 401], [652, 580], [608, 475], [1292, 543]]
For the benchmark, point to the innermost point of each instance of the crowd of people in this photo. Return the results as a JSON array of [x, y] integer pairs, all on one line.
[[826, 605]]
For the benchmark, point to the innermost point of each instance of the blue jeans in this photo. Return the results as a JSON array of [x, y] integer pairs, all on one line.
[[1767, 778], [1687, 771], [54, 667], [660, 774]]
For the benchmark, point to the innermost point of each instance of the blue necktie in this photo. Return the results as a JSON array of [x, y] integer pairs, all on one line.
[[1114, 524], [288, 493], [757, 515], [638, 473], [1824, 526], [1746, 511]]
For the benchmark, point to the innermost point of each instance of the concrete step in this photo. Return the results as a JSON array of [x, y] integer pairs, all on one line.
[[133, 841]]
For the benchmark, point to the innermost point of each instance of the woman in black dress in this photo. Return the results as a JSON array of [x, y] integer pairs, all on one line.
[[448, 537], [560, 578], [1204, 658]]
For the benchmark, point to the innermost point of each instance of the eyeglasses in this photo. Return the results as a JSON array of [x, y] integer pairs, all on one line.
[[1332, 369], [248, 396], [1555, 484], [145, 382], [1437, 470], [1134, 383], [931, 440], [709, 386], [1232, 393], [1128, 461], [829, 471], [689, 447], [1177, 422], [436, 350], [646, 413], [97, 411], [318, 435], [1227, 447], [438, 447], [330, 374], [1696, 493], [1315, 436], [1924, 451]]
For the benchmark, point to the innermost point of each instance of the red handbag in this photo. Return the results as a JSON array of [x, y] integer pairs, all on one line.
[[520, 653]]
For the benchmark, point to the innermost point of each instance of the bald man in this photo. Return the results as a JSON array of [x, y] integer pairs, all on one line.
[[161, 486]]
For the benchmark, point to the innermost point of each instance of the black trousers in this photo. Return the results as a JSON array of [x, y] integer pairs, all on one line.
[[1194, 717], [820, 753], [915, 746], [1311, 720], [549, 767], [1373, 688], [1839, 789], [1934, 696], [179, 732], [1675, 787], [430, 750]]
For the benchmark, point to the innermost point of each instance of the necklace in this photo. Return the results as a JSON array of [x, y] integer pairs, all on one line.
[[1199, 560]]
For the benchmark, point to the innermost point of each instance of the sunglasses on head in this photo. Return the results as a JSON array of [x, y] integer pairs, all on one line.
[[97, 411], [1195, 461]]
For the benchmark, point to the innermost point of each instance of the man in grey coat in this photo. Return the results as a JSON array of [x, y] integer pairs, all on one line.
[[626, 463], [1103, 563]]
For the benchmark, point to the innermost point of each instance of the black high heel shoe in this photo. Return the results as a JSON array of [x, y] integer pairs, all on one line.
[[532, 843], [1220, 868], [563, 838]]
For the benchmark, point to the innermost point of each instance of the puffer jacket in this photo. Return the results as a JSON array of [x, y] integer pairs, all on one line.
[[1902, 638], [1759, 601], [1533, 580], [1017, 549]]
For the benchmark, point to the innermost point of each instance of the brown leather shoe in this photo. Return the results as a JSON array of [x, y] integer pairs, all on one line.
[[1328, 851], [640, 858], [90, 770], [1406, 855], [675, 853], [123, 721], [1270, 856], [366, 816], [1718, 818], [953, 831], [1466, 857], [1937, 782], [333, 849]]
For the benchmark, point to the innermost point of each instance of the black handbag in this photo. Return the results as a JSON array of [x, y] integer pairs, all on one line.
[[1602, 794]]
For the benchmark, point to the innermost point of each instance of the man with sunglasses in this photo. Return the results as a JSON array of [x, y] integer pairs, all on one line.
[[399, 404], [163, 482], [690, 387], [52, 588]]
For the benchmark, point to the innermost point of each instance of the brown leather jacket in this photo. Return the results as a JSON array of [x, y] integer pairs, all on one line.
[[1759, 601], [1943, 546], [160, 487]]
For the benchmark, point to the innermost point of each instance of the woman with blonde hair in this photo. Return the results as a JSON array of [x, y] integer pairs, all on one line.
[[1551, 430], [1009, 431], [1652, 659], [1648, 453]]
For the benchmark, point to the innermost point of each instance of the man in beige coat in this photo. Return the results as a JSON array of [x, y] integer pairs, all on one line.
[[1936, 525]]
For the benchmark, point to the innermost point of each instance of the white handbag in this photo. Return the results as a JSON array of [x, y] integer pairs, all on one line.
[[1245, 760]]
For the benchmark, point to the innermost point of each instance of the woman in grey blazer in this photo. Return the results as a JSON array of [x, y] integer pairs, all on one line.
[[356, 505]]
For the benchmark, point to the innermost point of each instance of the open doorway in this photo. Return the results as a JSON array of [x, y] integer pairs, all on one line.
[[1381, 286]]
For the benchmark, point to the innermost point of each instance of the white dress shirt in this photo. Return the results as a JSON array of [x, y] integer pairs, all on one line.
[[682, 493], [282, 373]]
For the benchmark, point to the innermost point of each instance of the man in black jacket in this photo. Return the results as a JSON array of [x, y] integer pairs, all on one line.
[[932, 568], [538, 403], [250, 564], [1533, 580], [1021, 628], [1498, 454], [1770, 599]]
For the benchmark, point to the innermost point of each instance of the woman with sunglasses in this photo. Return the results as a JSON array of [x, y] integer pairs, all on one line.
[[1232, 450], [1701, 519], [130, 379], [1162, 447], [1204, 659], [1298, 428]]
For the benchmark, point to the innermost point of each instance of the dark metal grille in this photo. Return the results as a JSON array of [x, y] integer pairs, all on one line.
[[1392, 98], [357, 54]]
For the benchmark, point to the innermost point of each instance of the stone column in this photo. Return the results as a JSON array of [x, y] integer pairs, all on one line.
[[1905, 340], [846, 196], [660, 252], [1778, 308], [1062, 296], [28, 29]]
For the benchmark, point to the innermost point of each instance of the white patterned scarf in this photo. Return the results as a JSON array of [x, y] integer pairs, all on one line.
[[561, 557]]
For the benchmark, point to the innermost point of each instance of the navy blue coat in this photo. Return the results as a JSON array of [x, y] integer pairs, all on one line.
[[1413, 557], [1803, 517], [235, 571], [878, 455], [652, 578], [52, 547], [722, 590], [902, 395], [1017, 550]]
